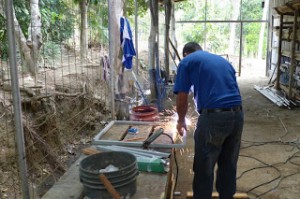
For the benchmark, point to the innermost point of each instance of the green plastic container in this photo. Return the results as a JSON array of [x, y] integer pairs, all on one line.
[[150, 165]]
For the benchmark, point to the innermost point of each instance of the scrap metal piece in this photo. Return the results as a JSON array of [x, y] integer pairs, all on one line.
[[152, 137], [273, 96]]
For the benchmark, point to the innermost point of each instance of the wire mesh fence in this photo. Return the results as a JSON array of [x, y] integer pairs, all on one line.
[[63, 106]]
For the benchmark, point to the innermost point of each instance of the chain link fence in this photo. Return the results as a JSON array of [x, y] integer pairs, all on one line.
[[62, 108]]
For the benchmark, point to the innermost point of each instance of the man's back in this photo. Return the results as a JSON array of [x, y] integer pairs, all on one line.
[[213, 80]]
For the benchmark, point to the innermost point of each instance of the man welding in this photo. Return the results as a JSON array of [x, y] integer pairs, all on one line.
[[219, 128]]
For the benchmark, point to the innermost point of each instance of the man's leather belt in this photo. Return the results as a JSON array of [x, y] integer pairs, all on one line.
[[219, 110]]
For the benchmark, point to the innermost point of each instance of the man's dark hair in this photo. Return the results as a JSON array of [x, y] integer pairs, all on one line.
[[190, 48]]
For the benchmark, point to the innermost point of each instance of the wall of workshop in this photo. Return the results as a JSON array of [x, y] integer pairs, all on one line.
[[273, 35]]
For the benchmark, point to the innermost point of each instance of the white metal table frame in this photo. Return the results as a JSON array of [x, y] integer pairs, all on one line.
[[97, 139]]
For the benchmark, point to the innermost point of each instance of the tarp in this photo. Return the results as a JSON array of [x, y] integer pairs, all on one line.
[[126, 43]]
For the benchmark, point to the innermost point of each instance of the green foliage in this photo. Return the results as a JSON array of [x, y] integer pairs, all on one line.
[[98, 21], [51, 50], [22, 11], [3, 36], [218, 42], [186, 7], [251, 10], [196, 35], [217, 34], [251, 37], [58, 20], [142, 7], [98, 17]]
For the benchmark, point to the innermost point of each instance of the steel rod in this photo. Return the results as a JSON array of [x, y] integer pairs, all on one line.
[[146, 151], [135, 153]]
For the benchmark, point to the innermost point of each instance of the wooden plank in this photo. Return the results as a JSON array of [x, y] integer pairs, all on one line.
[[215, 195], [289, 8], [89, 151], [115, 132], [151, 185], [143, 131]]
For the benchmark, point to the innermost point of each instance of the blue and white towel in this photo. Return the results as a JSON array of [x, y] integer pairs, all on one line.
[[126, 43]]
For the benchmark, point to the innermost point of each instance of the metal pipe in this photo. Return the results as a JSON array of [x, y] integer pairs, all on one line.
[[205, 27], [271, 95], [136, 36], [279, 54], [158, 153], [241, 49], [16, 99], [136, 42], [276, 97], [136, 153], [262, 91], [268, 59]]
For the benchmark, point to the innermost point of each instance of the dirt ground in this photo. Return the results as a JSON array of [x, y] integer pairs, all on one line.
[[269, 159]]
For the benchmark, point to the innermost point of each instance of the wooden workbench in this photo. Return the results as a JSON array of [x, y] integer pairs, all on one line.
[[149, 185], [153, 186]]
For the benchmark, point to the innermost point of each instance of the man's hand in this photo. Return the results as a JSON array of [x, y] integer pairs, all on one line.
[[181, 127], [181, 107]]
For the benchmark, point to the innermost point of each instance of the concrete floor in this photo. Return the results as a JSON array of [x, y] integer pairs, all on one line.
[[269, 162]]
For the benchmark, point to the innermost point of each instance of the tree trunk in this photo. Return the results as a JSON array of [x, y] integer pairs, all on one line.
[[83, 29], [36, 33], [153, 38], [24, 49], [29, 48], [117, 75]]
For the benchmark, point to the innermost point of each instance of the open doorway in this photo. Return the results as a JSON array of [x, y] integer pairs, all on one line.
[[236, 30]]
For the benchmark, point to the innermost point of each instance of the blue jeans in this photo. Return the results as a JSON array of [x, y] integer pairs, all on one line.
[[217, 140]]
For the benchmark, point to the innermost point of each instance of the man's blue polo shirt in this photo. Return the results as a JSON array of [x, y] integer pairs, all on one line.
[[212, 79]]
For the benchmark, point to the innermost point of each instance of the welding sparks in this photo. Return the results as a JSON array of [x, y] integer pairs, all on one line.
[[188, 121]]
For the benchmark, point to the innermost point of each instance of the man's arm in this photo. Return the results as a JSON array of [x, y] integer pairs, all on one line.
[[181, 107]]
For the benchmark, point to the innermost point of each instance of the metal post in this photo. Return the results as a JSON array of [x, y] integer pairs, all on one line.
[[136, 36], [268, 58], [293, 61], [241, 49], [168, 7], [16, 99], [241, 39], [279, 53], [136, 48], [205, 19]]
